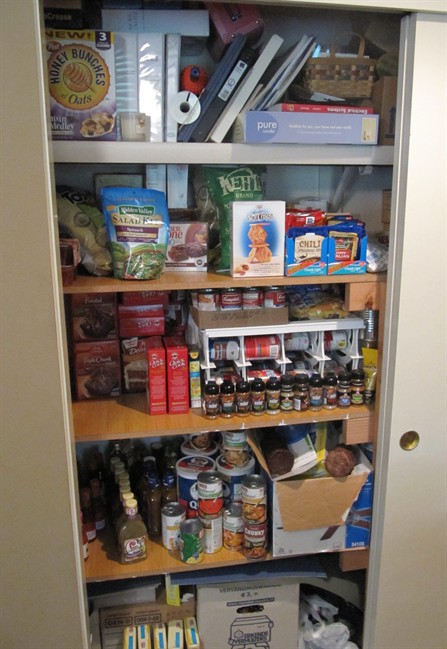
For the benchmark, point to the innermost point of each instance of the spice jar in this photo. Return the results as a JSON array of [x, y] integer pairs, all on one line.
[[287, 381], [357, 387], [330, 391], [301, 393], [344, 390], [273, 395], [258, 397], [315, 392], [227, 401], [243, 405], [211, 400]]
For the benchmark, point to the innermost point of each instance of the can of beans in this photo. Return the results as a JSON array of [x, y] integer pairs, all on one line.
[[255, 540], [172, 515], [274, 297], [233, 527], [262, 347], [208, 299], [252, 298], [224, 350], [191, 540], [210, 493], [231, 299], [254, 499], [212, 533]]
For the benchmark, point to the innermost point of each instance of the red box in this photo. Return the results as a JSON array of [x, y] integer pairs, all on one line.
[[138, 298], [177, 367], [229, 19], [134, 364], [156, 375], [144, 320], [97, 369], [93, 316]]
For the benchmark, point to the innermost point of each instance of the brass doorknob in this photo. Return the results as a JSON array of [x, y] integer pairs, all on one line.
[[409, 440]]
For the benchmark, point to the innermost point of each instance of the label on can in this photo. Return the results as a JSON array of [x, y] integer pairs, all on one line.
[[233, 527], [212, 533], [210, 494], [252, 298], [208, 299], [255, 541], [262, 347], [234, 439], [188, 469], [274, 297], [224, 350], [233, 476], [254, 499], [190, 541], [172, 515], [335, 340], [231, 299]]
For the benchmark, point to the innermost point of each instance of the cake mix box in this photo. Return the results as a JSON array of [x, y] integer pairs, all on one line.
[[257, 238], [81, 79], [177, 372], [134, 364], [156, 375]]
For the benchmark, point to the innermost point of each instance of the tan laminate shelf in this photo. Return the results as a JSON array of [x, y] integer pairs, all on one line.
[[127, 417]]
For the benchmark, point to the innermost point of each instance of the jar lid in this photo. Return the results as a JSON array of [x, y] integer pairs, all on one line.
[[302, 379], [287, 379], [211, 388], [227, 387], [242, 386]]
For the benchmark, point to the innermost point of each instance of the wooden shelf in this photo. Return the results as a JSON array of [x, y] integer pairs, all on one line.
[[127, 417], [198, 280]]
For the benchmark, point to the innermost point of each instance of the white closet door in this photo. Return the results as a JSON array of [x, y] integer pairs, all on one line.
[[406, 599]]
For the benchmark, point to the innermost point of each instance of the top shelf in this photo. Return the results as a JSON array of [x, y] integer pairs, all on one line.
[[195, 153]]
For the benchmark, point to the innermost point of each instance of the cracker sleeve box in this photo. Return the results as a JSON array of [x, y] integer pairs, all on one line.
[[81, 80]]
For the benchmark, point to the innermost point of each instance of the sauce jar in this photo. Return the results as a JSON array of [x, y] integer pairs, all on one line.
[[243, 405], [315, 392], [287, 381], [344, 390], [357, 387], [330, 391], [211, 400], [257, 397], [301, 393], [227, 400], [273, 395]]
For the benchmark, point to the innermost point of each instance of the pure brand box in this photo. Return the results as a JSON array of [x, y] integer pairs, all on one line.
[[81, 79], [255, 613], [257, 238], [310, 128]]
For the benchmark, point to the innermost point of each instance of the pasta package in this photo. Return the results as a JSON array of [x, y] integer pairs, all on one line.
[[137, 223]]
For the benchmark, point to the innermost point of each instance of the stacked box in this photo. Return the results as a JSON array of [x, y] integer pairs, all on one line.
[[156, 376], [177, 374]]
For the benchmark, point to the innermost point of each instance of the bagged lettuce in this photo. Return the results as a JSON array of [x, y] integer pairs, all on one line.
[[137, 223]]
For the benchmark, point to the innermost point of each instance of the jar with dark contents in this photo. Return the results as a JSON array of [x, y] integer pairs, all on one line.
[[315, 392], [287, 381], [344, 390], [301, 393], [357, 387], [273, 396], [243, 404], [211, 400], [227, 399], [330, 391], [258, 397]]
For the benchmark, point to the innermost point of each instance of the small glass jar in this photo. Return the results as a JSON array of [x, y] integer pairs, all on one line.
[[315, 392], [273, 396], [243, 405], [344, 390], [287, 381], [211, 400], [330, 391], [357, 387], [227, 399], [301, 393], [258, 397]]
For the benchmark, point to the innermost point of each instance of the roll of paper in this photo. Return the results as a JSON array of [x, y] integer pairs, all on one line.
[[185, 107]]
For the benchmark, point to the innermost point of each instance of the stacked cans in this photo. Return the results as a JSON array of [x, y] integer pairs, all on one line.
[[254, 514], [210, 510]]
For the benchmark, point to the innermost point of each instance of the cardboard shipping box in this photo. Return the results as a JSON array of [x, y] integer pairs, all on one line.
[[384, 99], [255, 613]]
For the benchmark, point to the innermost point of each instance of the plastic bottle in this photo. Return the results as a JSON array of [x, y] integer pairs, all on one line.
[[227, 399], [98, 503], [132, 535], [85, 550], [211, 400], [301, 393], [243, 404], [357, 387], [273, 396], [153, 521], [315, 392], [258, 397], [287, 381], [88, 513], [168, 488], [330, 391], [344, 390]]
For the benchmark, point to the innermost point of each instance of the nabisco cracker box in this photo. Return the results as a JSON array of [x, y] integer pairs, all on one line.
[[81, 78], [97, 369], [156, 375], [187, 246], [257, 238], [177, 372]]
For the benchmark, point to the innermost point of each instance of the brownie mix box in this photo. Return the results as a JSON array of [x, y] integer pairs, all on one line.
[[81, 80], [187, 247], [177, 372], [156, 375], [141, 320], [94, 317], [97, 369]]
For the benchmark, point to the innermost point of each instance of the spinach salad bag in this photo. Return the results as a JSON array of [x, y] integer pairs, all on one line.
[[137, 223]]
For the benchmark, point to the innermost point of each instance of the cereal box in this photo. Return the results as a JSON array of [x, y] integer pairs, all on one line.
[[81, 79], [257, 238]]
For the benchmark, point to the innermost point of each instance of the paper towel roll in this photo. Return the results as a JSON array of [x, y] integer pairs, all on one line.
[[185, 107]]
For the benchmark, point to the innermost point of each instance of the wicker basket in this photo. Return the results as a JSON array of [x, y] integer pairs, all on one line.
[[342, 76]]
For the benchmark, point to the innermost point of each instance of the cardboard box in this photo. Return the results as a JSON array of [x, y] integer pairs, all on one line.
[[308, 515], [384, 99], [81, 79], [97, 369], [306, 128], [253, 613], [306, 252], [187, 247], [94, 317], [143, 298], [240, 318], [113, 620], [257, 238], [156, 376], [134, 364], [141, 320], [177, 374], [386, 206]]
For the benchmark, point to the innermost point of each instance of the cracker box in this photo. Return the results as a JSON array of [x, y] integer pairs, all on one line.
[[257, 238], [81, 78], [97, 369], [187, 246], [177, 372], [156, 375]]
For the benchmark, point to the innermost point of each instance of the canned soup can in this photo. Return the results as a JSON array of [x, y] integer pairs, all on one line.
[[232, 477], [254, 499], [212, 533], [209, 491], [172, 515], [187, 469], [190, 542], [233, 527]]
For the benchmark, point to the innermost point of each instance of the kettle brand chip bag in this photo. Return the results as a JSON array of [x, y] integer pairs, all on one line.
[[137, 222], [227, 184]]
